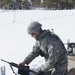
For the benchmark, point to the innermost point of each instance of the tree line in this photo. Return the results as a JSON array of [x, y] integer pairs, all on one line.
[[30, 4]]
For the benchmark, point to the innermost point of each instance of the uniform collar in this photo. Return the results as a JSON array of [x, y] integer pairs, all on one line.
[[44, 33]]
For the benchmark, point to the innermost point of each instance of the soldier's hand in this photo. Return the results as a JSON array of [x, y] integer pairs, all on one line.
[[22, 64]]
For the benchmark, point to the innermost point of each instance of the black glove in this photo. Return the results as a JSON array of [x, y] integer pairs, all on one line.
[[40, 73]]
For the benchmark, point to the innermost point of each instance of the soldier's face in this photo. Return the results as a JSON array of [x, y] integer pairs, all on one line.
[[35, 35]]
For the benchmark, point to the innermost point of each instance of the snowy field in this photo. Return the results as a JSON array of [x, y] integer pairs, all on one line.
[[15, 43]]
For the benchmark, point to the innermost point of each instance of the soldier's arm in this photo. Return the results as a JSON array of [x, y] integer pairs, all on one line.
[[32, 55]]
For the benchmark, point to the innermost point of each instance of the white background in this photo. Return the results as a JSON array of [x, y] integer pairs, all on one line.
[[15, 43]]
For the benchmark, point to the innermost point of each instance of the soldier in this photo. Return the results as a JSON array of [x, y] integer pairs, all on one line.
[[49, 46]]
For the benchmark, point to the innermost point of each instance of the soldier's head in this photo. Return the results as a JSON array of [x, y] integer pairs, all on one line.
[[34, 29]]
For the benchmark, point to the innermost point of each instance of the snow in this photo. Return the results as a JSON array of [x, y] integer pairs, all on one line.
[[15, 43]]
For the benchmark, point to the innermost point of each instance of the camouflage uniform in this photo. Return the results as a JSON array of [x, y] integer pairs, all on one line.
[[54, 53]]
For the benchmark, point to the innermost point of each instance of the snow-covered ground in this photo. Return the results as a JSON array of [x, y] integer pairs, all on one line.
[[15, 43]]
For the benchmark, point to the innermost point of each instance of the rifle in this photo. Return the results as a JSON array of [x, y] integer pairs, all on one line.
[[24, 70], [11, 63]]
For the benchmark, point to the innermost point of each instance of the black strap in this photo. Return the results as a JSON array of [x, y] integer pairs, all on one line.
[[41, 53]]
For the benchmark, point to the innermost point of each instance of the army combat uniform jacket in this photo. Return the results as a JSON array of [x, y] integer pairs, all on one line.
[[50, 46]]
